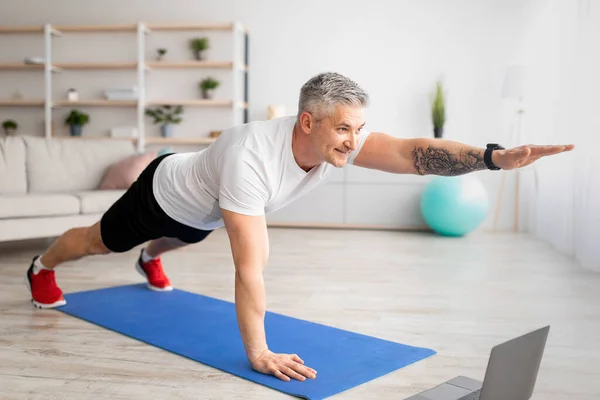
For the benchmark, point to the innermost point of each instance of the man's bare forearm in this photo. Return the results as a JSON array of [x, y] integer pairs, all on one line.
[[250, 302], [445, 157]]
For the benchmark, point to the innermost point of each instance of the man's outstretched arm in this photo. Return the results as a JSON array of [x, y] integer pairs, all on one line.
[[423, 156], [250, 249]]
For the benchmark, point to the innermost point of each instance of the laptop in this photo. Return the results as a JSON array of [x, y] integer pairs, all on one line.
[[510, 375]]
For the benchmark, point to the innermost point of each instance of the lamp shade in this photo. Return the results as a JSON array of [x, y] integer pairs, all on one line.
[[514, 81]]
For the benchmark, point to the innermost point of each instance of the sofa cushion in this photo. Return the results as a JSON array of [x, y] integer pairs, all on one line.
[[98, 201], [70, 165], [36, 205], [13, 177], [122, 174]]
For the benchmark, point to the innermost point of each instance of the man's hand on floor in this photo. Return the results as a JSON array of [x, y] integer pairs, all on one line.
[[283, 366]]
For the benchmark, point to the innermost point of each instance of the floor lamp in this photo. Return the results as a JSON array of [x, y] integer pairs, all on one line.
[[512, 88]]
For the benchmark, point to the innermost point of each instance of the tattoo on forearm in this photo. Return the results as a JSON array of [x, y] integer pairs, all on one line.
[[436, 161]]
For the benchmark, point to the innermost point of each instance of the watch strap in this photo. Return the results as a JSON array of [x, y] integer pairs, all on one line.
[[487, 156]]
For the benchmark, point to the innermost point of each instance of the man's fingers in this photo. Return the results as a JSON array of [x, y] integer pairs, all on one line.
[[307, 372], [296, 358], [546, 150], [286, 367], [301, 369], [292, 374], [280, 375]]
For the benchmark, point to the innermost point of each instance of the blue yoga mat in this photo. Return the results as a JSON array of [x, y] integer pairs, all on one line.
[[205, 329]]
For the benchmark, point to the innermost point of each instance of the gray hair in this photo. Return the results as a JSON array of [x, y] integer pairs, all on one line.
[[321, 93]]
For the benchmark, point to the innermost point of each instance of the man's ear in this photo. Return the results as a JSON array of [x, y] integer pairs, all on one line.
[[306, 122]]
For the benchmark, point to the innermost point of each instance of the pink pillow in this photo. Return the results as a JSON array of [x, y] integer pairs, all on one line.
[[122, 174]]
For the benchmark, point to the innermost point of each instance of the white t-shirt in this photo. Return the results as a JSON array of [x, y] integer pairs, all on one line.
[[249, 169]]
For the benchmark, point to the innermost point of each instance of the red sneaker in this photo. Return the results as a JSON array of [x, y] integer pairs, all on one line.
[[44, 291], [154, 274]]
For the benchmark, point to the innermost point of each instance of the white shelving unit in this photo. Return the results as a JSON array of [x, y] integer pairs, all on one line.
[[238, 104]]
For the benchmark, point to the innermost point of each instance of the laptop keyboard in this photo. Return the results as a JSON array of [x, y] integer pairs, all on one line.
[[472, 396]]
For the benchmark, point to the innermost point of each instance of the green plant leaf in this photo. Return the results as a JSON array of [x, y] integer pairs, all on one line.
[[165, 114], [9, 124], [438, 106]]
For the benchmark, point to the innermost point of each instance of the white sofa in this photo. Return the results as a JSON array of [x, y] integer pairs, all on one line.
[[50, 185]]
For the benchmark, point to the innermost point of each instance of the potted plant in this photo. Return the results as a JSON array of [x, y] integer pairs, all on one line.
[[72, 95], [208, 86], [10, 126], [160, 53], [166, 116], [438, 110], [198, 46], [76, 119]]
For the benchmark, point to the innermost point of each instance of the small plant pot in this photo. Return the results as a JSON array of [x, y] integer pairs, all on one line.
[[160, 54], [76, 130], [208, 93], [10, 131], [166, 130], [200, 55], [438, 132]]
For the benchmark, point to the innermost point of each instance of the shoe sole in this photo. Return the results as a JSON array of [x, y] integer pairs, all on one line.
[[41, 305], [140, 270]]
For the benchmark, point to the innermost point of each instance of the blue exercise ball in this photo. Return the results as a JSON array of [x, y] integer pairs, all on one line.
[[454, 206]]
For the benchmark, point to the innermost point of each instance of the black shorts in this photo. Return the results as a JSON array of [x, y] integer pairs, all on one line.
[[137, 218]]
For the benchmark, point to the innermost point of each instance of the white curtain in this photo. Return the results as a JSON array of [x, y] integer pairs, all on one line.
[[562, 52]]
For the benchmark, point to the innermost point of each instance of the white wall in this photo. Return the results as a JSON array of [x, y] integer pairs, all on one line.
[[562, 50], [395, 49]]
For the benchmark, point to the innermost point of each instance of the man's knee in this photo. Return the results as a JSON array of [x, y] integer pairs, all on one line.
[[93, 240]]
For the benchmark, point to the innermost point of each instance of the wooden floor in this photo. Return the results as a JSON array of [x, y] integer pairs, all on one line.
[[457, 296]]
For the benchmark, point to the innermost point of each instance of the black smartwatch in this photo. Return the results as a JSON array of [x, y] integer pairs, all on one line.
[[487, 156]]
